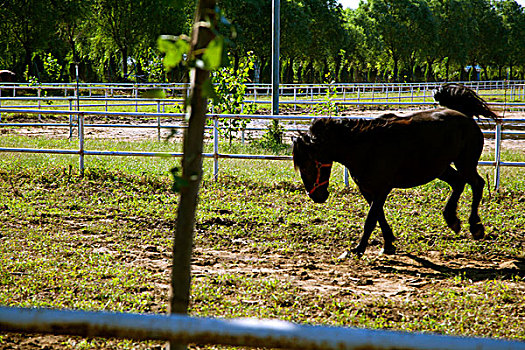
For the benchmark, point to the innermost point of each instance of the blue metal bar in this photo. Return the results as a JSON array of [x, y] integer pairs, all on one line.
[[233, 332]]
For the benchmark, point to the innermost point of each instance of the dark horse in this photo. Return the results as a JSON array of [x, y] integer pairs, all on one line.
[[400, 152]]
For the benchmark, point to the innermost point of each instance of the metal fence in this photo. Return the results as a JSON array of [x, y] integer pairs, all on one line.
[[234, 332], [82, 152], [291, 94]]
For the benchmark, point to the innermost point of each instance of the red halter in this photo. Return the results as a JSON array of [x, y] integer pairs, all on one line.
[[319, 165]]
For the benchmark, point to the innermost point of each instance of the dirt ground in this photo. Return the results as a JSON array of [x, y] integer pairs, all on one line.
[[398, 278]]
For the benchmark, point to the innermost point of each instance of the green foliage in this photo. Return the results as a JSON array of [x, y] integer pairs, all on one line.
[[229, 94], [328, 107], [52, 69], [175, 48], [212, 57], [152, 65], [178, 181], [32, 80], [273, 138], [381, 40]]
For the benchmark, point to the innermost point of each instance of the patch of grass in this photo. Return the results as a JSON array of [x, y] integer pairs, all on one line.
[[263, 249]]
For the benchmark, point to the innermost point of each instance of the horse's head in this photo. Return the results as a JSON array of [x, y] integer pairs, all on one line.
[[313, 166]]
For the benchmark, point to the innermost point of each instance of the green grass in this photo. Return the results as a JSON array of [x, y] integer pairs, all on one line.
[[103, 242]]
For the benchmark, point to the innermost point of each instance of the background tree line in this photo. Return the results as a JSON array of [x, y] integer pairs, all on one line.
[[381, 40]]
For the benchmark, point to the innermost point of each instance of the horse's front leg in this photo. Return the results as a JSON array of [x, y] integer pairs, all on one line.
[[375, 214], [388, 235]]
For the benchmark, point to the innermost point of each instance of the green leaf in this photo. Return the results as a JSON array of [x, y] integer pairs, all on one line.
[[175, 51], [212, 57]]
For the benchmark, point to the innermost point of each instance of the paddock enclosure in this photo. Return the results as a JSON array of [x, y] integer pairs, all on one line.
[[102, 242]]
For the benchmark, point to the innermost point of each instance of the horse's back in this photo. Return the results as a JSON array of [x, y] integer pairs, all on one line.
[[415, 149]]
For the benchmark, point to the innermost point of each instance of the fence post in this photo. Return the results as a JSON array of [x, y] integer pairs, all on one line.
[[136, 96], [497, 156], [70, 119], [158, 121], [81, 142], [215, 148], [295, 97], [39, 103]]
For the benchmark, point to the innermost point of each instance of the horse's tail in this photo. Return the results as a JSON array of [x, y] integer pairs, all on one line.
[[464, 100]]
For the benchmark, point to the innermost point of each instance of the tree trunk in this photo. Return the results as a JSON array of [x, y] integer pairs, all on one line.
[[235, 62], [428, 70], [309, 72], [289, 71], [124, 63], [191, 170], [396, 69]]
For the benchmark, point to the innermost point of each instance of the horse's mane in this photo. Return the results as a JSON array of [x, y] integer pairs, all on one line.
[[350, 127], [326, 129]]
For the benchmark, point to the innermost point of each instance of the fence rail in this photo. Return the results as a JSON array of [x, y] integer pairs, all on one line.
[[498, 133], [234, 332], [513, 90]]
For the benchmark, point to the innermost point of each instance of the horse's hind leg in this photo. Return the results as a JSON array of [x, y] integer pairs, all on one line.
[[477, 183], [457, 183], [476, 226]]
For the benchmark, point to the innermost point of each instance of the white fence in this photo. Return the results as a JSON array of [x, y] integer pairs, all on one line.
[[292, 94], [234, 332], [79, 124]]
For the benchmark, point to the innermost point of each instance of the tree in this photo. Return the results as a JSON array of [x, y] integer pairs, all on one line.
[[70, 18], [28, 24], [327, 39], [252, 22], [456, 32], [295, 36], [399, 24], [489, 32], [513, 20], [122, 26]]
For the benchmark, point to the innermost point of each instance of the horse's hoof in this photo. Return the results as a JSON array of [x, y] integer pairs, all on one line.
[[388, 250], [358, 251], [477, 230], [454, 225]]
